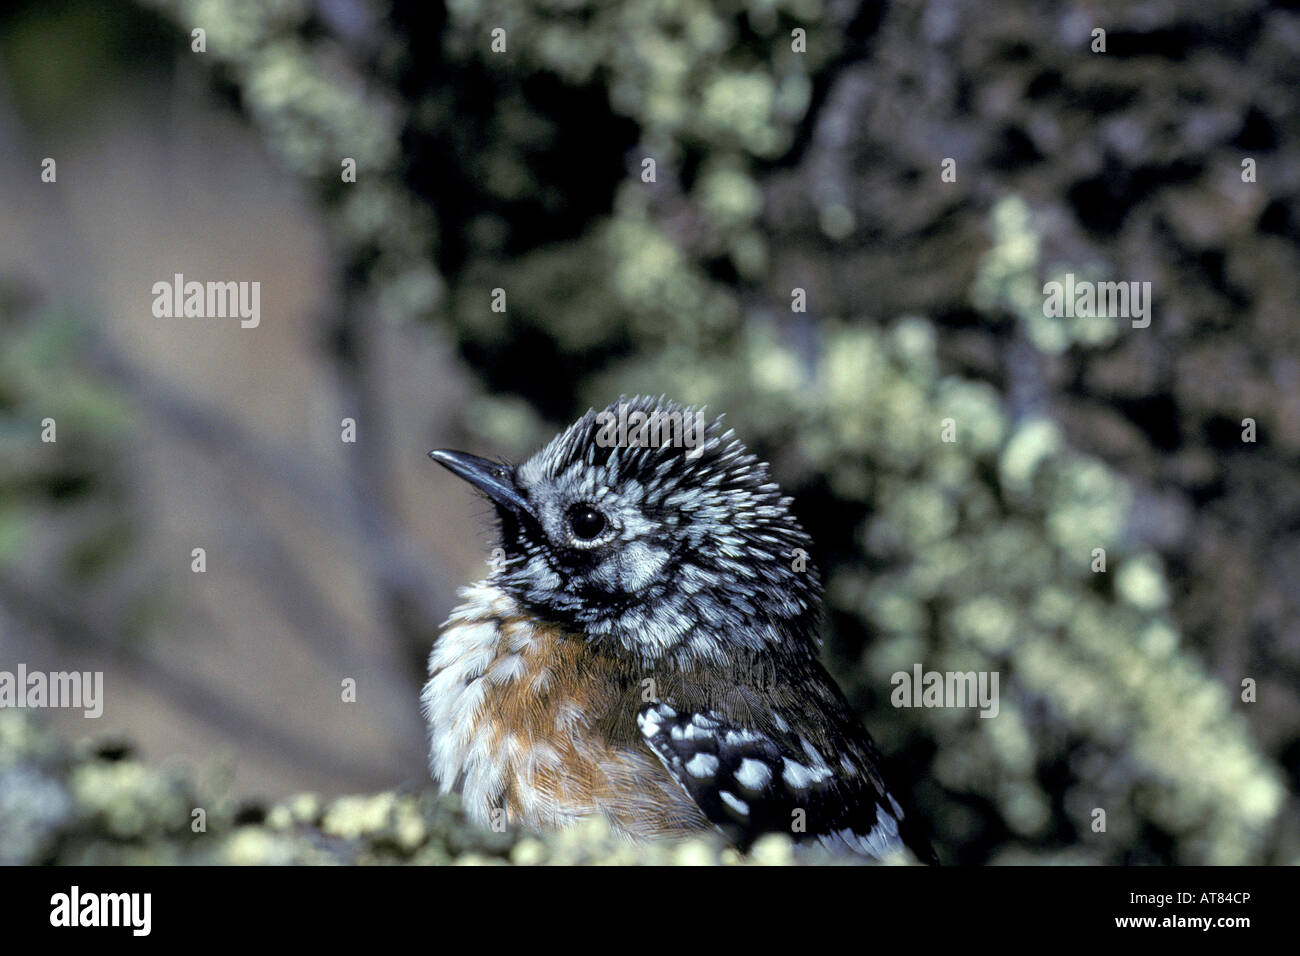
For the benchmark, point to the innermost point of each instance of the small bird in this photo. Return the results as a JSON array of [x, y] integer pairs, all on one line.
[[645, 649]]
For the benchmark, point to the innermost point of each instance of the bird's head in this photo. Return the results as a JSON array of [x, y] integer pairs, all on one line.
[[653, 531]]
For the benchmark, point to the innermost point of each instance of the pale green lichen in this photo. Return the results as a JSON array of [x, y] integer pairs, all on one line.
[[1009, 279], [63, 804]]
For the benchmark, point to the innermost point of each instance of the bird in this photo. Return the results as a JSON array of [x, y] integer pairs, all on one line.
[[645, 648]]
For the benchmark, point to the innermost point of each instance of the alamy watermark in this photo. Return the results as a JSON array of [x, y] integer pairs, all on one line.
[[76, 690], [133, 911], [946, 689], [1086, 299], [658, 429], [208, 300]]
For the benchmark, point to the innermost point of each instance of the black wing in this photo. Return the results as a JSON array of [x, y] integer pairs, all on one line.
[[778, 774]]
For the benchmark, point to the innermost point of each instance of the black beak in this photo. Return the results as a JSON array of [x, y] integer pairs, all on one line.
[[494, 479]]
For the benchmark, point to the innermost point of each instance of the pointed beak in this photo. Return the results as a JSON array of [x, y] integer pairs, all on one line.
[[494, 479]]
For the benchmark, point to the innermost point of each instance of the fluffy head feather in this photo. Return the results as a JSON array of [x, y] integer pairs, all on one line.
[[694, 549]]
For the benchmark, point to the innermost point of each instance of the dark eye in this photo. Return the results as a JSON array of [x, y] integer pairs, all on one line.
[[586, 521]]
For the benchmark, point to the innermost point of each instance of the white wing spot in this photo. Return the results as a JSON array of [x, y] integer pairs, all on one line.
[[796, 774], [740, 806], [702, 765], [753, 774]]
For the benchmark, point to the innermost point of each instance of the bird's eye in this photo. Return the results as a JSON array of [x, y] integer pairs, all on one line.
[[586, 521]]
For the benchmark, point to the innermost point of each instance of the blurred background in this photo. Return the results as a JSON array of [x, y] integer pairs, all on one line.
[[797, 145]]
